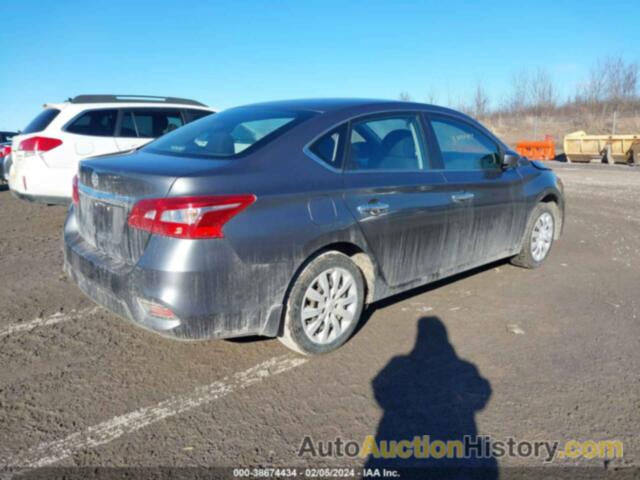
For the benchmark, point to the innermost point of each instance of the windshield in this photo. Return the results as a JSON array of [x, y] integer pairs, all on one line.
[[229, 133]]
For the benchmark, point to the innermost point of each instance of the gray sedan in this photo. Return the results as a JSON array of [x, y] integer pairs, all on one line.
[[286, 219]]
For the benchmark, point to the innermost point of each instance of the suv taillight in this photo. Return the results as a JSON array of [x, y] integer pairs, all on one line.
[[4, 151], [188, 217], [34, 145], [75, 196]]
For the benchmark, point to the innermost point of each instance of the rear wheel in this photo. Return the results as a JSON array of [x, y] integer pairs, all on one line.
[[324, 305], [538, 238]]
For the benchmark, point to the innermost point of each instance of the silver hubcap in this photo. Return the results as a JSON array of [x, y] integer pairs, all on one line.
[[542, 236], [329, 305]]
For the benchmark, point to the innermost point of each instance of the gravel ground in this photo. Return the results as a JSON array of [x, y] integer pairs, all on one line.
[[546, 354]]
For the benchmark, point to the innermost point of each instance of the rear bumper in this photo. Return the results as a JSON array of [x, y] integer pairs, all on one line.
[[41, 199], [203, 299], [30, 179]]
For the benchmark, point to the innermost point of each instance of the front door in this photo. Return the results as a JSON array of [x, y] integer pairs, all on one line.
[[89, 134], [485, 221]]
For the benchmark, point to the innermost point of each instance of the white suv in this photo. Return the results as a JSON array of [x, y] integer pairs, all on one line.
[[46, 154]]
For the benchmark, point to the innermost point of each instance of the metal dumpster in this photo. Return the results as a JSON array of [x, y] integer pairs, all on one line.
[[580, 147]]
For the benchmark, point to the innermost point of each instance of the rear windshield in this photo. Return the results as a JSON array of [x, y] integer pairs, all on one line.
[[42, 120], [228, 134]]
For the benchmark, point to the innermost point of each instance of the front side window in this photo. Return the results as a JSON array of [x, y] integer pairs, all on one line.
[[146, 123], [42, 120], [328, 148], [464, 147], [229, 133], [97, 123], [391, 143]]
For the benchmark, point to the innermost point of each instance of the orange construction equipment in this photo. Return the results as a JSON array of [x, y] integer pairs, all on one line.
[[537, 150]]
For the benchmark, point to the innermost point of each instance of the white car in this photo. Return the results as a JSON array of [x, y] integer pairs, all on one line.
[[46, 153]]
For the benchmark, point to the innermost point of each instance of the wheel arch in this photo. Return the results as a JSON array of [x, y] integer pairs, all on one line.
[[357, 254], [553, 200], [364, 262]]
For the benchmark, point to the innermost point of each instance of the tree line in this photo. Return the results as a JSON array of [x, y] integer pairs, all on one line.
[[611, 86]]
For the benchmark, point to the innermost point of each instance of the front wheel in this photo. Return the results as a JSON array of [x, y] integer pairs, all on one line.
[[538, 238], [324, 305]]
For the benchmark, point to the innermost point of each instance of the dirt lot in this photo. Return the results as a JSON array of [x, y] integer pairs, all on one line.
[[548, 354]]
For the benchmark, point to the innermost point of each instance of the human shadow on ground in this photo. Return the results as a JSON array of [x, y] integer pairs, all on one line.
[[432, 392]]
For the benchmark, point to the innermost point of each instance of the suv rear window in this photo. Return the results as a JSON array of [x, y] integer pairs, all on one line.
[[194, 114], [42, 120], [147, 123], [98, 123], [228, 134], [6, 136]]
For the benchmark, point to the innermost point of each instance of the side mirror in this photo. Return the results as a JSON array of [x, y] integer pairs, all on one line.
[[510, 160]]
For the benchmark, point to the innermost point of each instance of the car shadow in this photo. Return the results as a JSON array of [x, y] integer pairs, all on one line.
[[4, 187], [432, 392], [371, 309]]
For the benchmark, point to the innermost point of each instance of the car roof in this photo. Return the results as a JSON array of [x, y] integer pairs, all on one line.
[[100, 101], [326, 105], [97, 106]]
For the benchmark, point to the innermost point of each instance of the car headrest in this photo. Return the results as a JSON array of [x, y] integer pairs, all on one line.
[[221, 143], [398, 143]]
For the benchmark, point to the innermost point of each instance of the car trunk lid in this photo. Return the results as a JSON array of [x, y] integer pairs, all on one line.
[[108, 189]]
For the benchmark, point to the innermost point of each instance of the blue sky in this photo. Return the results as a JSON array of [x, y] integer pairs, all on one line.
[[226, 53]]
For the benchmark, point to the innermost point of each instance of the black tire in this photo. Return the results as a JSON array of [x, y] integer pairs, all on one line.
[[294, 335], [526, 258]]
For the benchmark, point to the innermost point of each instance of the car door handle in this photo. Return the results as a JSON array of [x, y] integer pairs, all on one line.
[[462, 197], [373, 209]]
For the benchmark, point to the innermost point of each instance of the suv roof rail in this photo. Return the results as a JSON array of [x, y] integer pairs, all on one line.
[[132, 98]]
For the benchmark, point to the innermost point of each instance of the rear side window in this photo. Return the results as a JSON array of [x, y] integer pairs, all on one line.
[[193, 115], [464, 147], [96, 123], [328, 148], [42, 120], [229, 133], [391, 143], [146, 123]]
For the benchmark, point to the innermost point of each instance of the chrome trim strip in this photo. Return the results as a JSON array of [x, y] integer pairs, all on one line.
[[106, 196]]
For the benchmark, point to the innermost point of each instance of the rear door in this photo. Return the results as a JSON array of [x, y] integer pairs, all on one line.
[[89, 134], [398, 201], [138, 126], [485, 218]]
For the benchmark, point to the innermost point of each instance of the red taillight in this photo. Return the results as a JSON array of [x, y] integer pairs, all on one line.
[[75, 195], [39, 144], [188, 217], [4, 151]]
